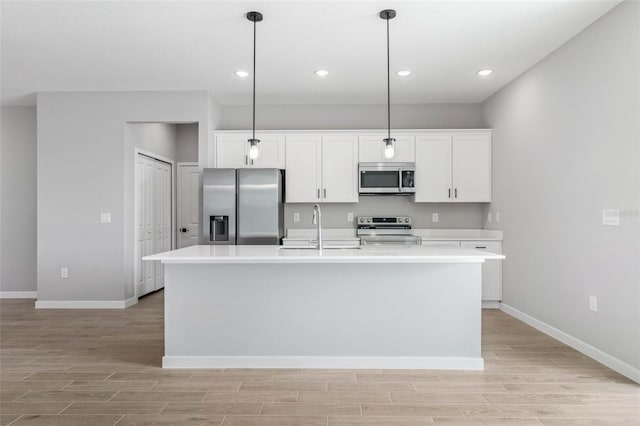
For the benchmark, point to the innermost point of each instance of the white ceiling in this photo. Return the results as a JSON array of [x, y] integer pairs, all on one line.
[[185, 45]]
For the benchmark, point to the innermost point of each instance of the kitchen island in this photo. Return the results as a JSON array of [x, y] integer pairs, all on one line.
[[375, 307]]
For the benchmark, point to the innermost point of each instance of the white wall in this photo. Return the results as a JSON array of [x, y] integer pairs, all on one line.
[[86, 166], [566, 145], [311, 117], [157, 138], [187, 142], [18, 199]]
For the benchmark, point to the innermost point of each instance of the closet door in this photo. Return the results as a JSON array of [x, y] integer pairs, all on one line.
[[162, 216], [146, 241]]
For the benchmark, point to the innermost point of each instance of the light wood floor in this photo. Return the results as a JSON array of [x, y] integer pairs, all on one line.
[[102, 367]]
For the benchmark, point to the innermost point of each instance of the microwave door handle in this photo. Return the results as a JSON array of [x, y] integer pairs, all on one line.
[[400, 179]]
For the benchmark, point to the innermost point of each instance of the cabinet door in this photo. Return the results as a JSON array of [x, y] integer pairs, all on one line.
[[271, 152], [303, 174], [491, 269], [371, 149], [433, 169], [231, 151], [472, 168], [340, 169]]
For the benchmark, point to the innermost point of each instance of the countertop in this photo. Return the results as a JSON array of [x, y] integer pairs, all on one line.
[[366, 254], [425, 234]]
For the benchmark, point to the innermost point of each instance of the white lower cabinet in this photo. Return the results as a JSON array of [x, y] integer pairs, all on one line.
[[491, 269]]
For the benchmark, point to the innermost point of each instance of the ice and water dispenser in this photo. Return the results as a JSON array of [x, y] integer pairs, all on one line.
[[218, 228]]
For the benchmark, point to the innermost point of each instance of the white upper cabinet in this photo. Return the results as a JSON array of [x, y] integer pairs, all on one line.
[[321, 169], [340, 169], [232, 151], [433, 168], [371, 149], [472, 168], [303, 177], [453, 168]]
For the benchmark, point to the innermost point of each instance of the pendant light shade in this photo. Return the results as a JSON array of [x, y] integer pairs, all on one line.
[[389, 142], [254, 151]]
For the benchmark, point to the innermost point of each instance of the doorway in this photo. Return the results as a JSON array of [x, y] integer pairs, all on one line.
[[189, 204]]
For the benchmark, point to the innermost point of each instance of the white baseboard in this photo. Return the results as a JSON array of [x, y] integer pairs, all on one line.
[[577, 344], [490, 304], [18, 294], [86, 304], [329, 362]]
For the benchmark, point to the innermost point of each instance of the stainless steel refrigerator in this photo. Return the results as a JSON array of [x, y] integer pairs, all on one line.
[[242, 206]]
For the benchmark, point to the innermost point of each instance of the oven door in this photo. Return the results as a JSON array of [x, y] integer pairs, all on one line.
[[379, 178]]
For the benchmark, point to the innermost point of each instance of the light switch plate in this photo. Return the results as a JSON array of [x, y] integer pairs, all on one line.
[[593, 303], [296, 217], [497, 216], [350, 217], [611, 217], [105, 217], [435, 217], [489, 217], [64, 272]]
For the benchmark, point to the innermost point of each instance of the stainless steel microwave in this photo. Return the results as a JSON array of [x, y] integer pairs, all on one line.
[[386, 178]]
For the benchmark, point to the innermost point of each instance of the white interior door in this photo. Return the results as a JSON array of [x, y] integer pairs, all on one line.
[[153, 201], [162, 215], [189, 193], [145, 233]]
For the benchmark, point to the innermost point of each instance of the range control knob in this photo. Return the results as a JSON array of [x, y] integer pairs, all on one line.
[[368, 220], [406, 220], [361, 219]]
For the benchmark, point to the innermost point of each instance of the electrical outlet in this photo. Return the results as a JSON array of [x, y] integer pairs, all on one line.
[[64, 272], [350, 217], [489, 218], [435, 217], [296, 217], [105, 217], [497, 216], [593, 303]]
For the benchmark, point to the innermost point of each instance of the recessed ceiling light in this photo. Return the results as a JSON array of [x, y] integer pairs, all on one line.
[[485, 72], [405, 73], [242, 74], [322, 73]]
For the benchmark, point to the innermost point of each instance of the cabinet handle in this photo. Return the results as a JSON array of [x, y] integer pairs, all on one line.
[[481, 247], [318, 193], [246, 160], [252, 162], [456, 192], [325, 193], [449, 192]]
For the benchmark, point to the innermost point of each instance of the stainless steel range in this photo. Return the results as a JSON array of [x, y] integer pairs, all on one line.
[[396, 230]]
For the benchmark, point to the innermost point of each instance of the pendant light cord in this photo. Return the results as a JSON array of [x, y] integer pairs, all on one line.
[[254, 80], [388, 85]]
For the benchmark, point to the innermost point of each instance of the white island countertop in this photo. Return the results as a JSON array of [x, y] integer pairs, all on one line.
[[225, 254]]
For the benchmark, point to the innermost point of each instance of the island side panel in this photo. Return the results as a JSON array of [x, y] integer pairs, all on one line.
[[425, 315]]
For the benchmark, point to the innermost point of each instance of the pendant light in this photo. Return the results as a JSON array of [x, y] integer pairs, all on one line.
[[389, 142], [254, 152]]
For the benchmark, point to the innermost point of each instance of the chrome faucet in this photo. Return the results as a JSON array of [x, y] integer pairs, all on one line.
[[317, 220]]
